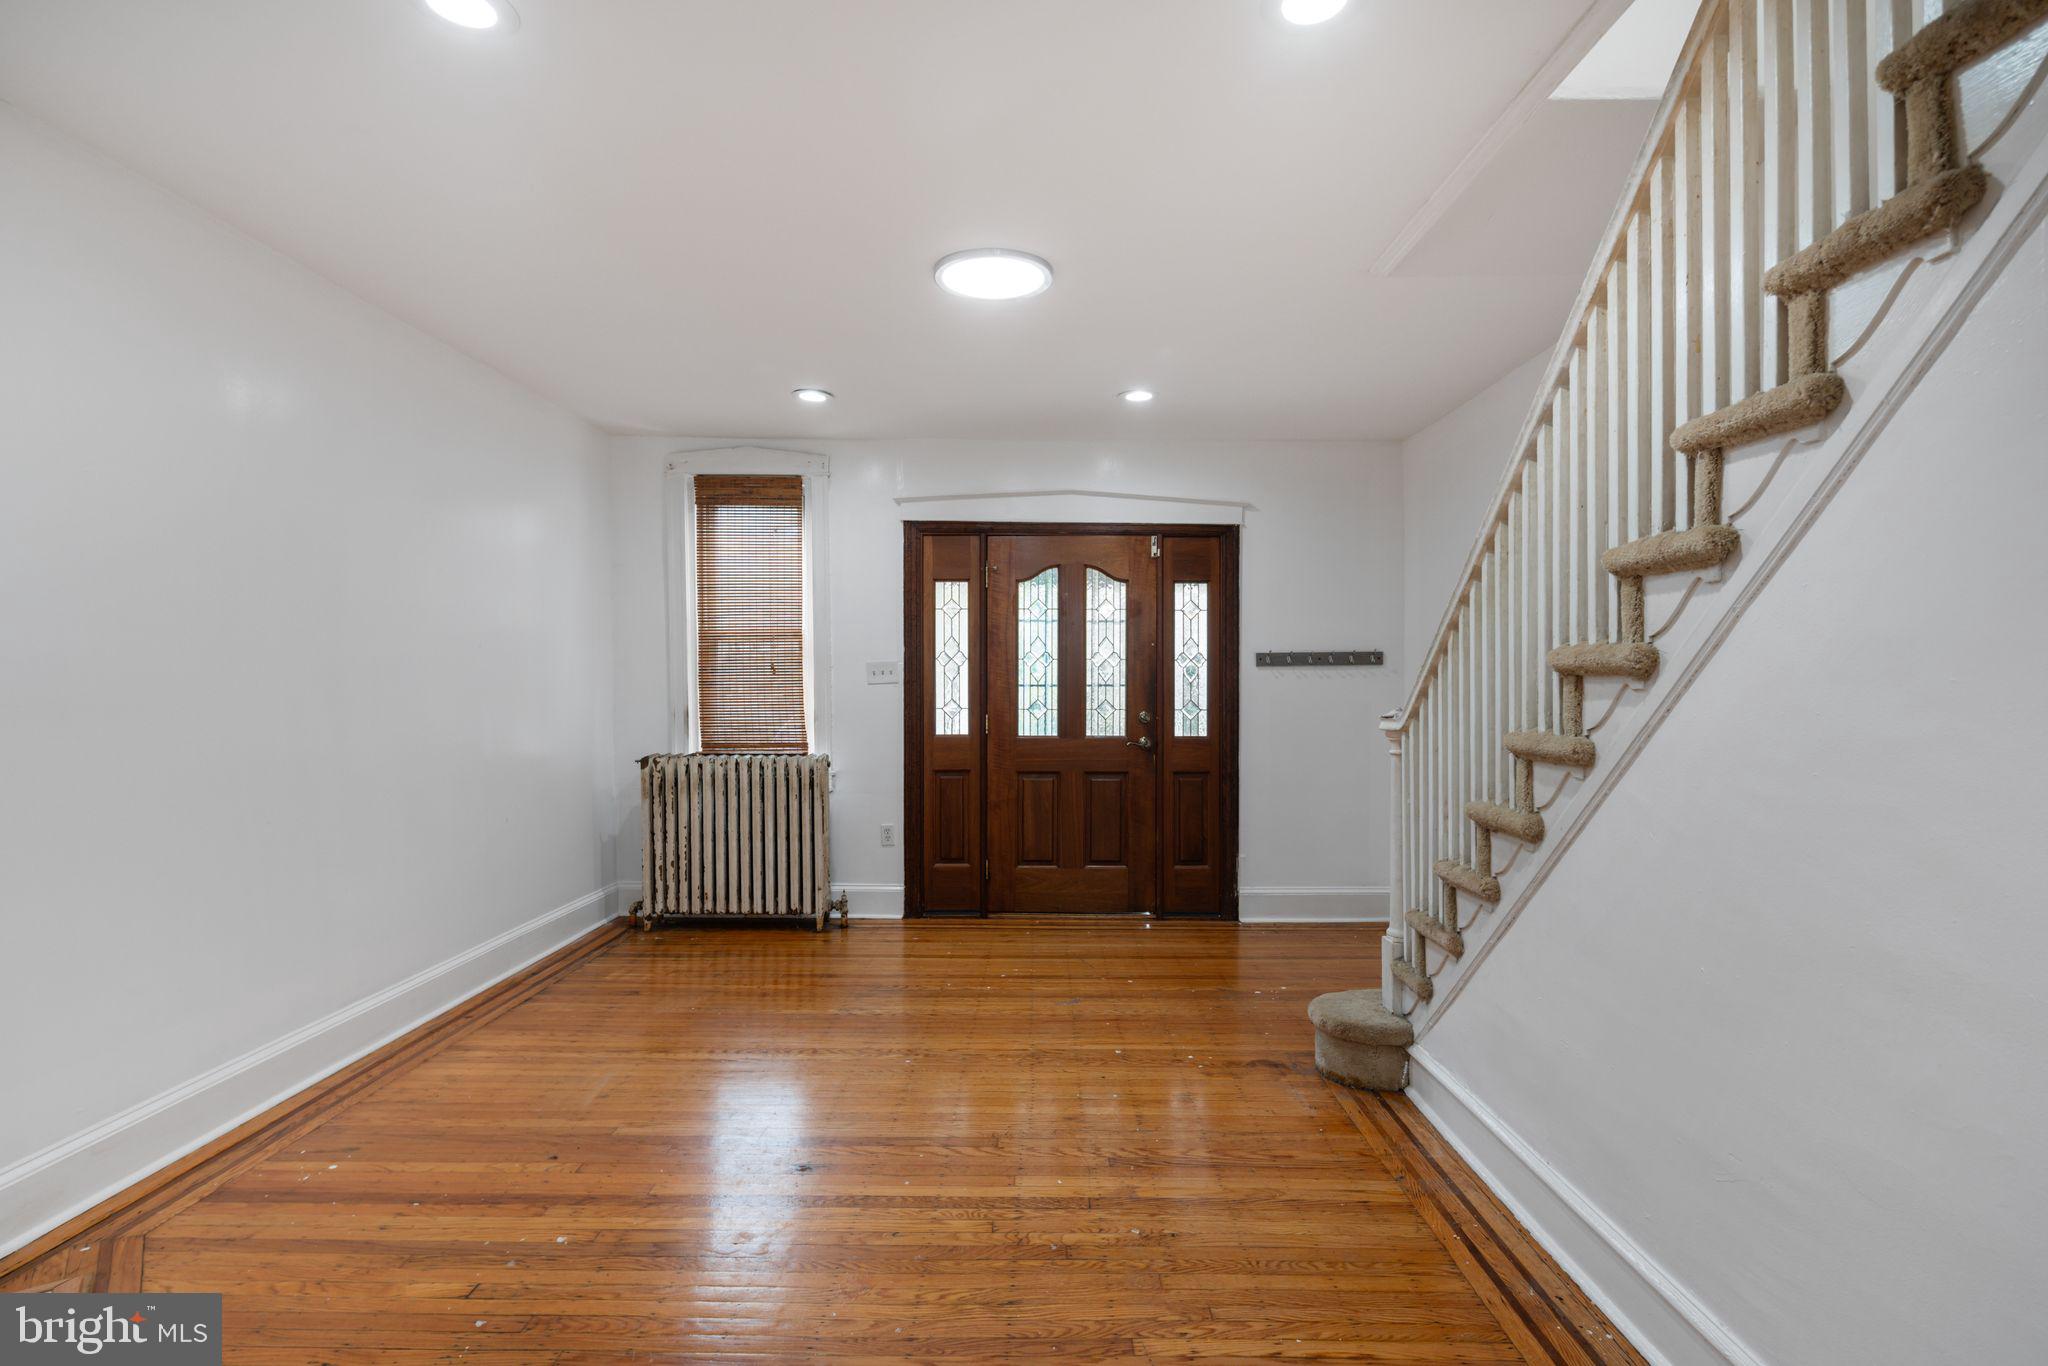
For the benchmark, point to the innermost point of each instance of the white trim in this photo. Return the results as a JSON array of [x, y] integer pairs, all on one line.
[[909, 500], [1646, 1302], [679, 546], [41, 1191], [1255, 905], [1071, 505], [871, 900], [1304, 905], [1591, 27]]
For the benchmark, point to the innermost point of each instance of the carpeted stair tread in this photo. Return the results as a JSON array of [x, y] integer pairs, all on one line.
[[1790, 406], [1436, 932], [1468, 879], [1914, 214], [1414, 978], [1673, 552], [1359, 1042], [1359, 1016], [1637, 660], [1948, 44], [1526, 826], [1548, 747]]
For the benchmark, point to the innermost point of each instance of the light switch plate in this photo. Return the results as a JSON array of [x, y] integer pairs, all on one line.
[[885, 671]]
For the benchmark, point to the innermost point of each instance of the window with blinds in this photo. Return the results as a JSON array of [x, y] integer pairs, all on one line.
[[750, 614]]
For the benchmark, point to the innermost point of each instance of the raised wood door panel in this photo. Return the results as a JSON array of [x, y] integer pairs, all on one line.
[[1072, 794], [951, 707]]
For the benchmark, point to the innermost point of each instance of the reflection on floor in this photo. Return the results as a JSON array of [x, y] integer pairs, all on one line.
[[944, 1139]]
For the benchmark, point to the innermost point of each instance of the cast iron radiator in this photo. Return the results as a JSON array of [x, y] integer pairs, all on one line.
[[735, 834]]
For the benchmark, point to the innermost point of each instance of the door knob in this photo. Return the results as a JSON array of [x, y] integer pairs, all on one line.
[[1142, 742]]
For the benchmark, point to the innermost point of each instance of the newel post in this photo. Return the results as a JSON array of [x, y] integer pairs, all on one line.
[[1394, 943]]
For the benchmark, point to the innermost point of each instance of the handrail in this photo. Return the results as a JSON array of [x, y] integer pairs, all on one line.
[[1682, 73]]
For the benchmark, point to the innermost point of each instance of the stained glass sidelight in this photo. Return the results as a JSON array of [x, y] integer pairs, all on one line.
[[1106, 662], [1191, 659], [1038, 654], [949, 655]]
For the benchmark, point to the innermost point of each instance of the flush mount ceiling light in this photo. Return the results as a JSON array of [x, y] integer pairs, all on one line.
[[478, 16], [1310, 11], [1136, 396], [812, 395], [993, 273]]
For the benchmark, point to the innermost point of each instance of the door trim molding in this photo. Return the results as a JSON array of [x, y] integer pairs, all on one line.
[[917, 644]]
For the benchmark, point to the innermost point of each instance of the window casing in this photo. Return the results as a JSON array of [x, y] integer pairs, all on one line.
[[748, 583], [680, 549]]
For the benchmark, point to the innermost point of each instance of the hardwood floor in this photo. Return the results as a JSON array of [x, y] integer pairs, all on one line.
[[901, 1141]]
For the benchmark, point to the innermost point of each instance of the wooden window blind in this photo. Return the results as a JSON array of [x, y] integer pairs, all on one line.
[[750, 614]]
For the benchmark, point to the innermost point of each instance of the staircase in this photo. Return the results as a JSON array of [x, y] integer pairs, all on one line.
[[1825, 137]]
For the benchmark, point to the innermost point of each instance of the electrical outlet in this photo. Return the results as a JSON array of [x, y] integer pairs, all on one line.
[[888, 837]]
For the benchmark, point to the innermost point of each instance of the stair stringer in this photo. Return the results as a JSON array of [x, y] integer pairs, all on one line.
[[1912, 307]]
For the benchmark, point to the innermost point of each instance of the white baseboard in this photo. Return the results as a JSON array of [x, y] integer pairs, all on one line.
[[871, 900], [1280, 905], [1645, 1301], [1266, 905], [864, 900], [69, 1177]]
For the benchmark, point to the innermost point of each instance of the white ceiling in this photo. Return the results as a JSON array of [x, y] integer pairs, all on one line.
[[666, 214]]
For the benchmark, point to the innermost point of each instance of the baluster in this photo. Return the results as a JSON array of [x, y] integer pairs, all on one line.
[[1541, 539], [1614, 464], [1577, 536], [1779, 216], [1550, 455], [1641, 419], [1504, 649], [1468, 713], [1891, 23], [1530, 594], [1815, 104], [1849, 78], [1489, 667], [1482, 675], [1686, 255], [1454, 716], [1511, 616], [1663, 374], [1442, 787], [1745, 187], [1715, 255]]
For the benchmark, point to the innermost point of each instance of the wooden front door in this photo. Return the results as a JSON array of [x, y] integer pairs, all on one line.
[[1072, 718], [1069, 736]]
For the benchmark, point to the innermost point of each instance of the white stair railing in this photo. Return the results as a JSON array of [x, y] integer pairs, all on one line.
[[1773, 132]]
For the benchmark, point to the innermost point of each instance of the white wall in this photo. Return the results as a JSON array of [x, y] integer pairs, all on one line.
[[1450, 472], [1321, 569], [304, 674], [1777, 1016]]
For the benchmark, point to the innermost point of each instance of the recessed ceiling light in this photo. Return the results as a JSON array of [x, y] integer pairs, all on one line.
[[477, 15], [1136, 396], [1310, 11], [813, 395], [993, 273]]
